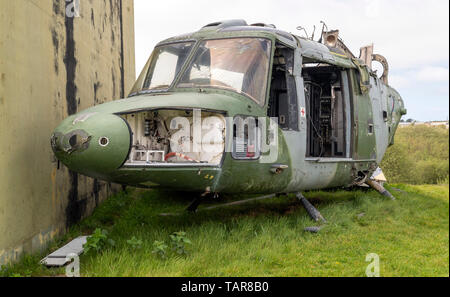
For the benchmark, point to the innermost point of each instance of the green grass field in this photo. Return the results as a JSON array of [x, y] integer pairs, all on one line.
[[419, 156], [266, 238]]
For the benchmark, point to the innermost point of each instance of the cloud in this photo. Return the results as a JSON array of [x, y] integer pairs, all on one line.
[[419, 76], [407, 32], [430, 73], [399, 81], [412, 34]]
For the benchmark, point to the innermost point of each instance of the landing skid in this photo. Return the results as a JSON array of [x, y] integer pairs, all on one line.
[[312, 211], [192, 208]]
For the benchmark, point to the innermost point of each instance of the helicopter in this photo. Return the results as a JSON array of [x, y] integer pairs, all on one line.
[[238, 108]]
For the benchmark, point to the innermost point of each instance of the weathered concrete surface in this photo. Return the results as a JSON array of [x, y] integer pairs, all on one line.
[[52, 65]]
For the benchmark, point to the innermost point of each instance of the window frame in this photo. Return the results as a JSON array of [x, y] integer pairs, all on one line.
[[188, 63]]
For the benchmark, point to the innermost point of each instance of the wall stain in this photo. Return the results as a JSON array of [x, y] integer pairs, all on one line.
[[57, 7], [96, 191], [92, 18], [111, 21], [97, 86], [75, 208], [55, 41], [113, 77], [122, 65], [71, 64], [54, 187]]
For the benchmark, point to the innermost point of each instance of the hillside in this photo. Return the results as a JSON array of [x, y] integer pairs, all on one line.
[[419, 156]]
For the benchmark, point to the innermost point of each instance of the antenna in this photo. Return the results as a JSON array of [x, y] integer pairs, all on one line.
[[323, 30], [300, 28], [314, 31]]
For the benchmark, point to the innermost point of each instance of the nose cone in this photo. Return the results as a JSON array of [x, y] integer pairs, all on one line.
[[92, 144]]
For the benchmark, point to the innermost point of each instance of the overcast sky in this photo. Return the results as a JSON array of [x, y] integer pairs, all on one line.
[[411, 34]]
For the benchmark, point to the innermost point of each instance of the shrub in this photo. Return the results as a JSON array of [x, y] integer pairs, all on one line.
[[179, 241], [159, 248], [134, 243]]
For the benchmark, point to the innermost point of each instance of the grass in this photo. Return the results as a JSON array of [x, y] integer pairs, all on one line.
[[423, 150], [266, 238]]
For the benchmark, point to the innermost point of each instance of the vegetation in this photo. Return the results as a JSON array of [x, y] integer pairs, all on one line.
[[419, 156], [266, 238], [97, 241]]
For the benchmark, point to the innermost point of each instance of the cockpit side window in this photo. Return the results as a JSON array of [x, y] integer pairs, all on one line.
[[166, 64], [163, 67]]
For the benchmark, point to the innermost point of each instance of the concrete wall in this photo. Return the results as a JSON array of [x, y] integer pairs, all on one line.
[[53, 64]]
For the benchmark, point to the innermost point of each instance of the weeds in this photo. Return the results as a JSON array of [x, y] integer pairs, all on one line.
[[160, 249], [178, 242], [135, 243], [97, 241]]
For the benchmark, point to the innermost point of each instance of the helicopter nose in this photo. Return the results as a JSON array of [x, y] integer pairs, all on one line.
[[92, 144]]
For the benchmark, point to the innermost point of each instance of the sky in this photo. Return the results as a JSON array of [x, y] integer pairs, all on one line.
[[413, 35]]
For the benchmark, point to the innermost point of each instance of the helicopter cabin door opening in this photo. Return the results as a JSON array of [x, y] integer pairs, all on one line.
[[283, 92], [328, 110]]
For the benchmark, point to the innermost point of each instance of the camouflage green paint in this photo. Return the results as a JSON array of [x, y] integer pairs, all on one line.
[[369, 137]]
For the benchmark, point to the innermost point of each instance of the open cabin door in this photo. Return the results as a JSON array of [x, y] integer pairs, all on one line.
[[328, 110]]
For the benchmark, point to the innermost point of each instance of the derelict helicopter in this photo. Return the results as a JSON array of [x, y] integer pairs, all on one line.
[[313, 115]]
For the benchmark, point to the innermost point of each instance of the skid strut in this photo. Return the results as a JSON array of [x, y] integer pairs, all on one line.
[[194, 204], [379, 188], [312, 211]]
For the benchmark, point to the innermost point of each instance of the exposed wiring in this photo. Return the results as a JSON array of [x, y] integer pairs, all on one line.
[[311, 121]]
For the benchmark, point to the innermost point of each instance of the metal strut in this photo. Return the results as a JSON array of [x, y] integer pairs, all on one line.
[[379, 188], [313, 213], [194, 204]]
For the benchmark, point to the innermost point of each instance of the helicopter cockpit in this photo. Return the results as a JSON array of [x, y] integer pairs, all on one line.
[[237, 64]]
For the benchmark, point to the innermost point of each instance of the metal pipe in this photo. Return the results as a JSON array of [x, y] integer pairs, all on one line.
[[379, 188]]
